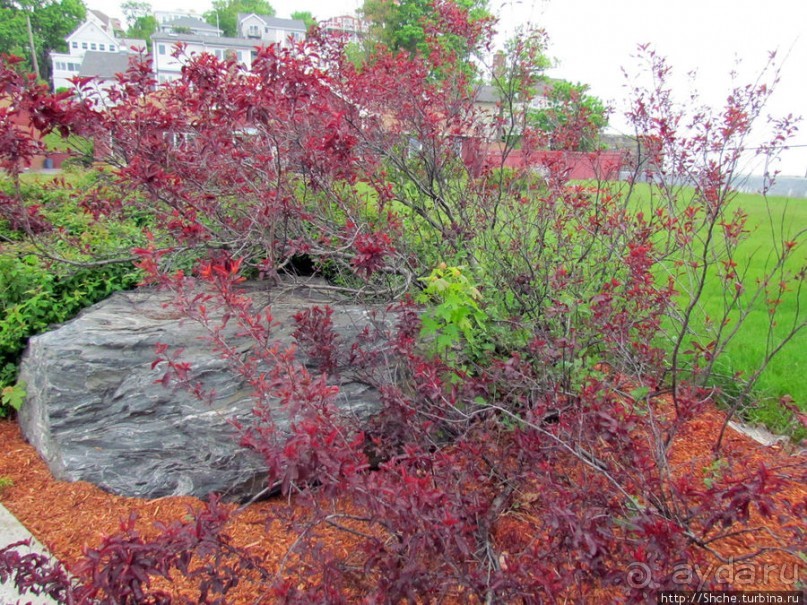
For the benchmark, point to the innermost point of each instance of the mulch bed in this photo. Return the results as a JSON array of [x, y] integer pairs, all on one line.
[[67, 517]]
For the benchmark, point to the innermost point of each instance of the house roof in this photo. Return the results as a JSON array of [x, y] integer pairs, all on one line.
[[274, 22], [102, 16], [486, 93], [79, 31], [191, 23], [211, 41], [103, 65], [112, 23], [128, 43]]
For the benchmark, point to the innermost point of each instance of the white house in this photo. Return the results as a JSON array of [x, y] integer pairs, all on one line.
[[269, 30], [167, 67], [164, 17], [350, 26], [95, 35], [254, 30]]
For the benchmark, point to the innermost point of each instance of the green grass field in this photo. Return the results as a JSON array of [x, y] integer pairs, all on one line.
[[787, 373], [769, 220]]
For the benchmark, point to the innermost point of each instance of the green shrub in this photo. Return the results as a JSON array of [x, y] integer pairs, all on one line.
[[34, 298], [38, 291], [5, 482], [454, 320]]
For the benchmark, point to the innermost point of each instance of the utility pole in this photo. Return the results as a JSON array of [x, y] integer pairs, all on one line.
[[31, 43]]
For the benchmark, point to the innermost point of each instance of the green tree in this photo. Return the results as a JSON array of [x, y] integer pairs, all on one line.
[[142, 28], [570, 104], [51, 22], [306, 17], [225, 13], [133, 10], [402, 25]]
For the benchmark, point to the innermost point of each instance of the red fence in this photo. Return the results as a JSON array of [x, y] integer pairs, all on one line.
[[577, 165]]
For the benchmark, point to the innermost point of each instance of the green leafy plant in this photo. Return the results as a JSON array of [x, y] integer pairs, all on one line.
[[39, 289], [454, 318], [13, 396]]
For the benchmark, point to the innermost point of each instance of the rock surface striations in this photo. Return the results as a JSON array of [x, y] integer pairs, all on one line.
[[95, 411]]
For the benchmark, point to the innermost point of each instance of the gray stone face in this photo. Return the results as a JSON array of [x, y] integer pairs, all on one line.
[[95, 412]]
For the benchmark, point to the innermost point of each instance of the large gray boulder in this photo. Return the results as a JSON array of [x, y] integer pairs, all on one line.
[[95, 411]]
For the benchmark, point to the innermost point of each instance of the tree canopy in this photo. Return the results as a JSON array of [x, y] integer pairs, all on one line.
[[225, 13], [306, 17], [134, 10], [142, 28], [567, 103], [51, 22], [403, 25]]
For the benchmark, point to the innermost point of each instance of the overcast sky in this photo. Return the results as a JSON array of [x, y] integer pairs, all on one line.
[[594, 39]]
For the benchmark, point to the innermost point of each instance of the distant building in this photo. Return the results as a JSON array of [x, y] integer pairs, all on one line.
[[108, 24], [198, 37], [97, 35], [103, 65], [269, 30], [189, 25], [489, 103], [350, 26], [164, 17], [167, 67]]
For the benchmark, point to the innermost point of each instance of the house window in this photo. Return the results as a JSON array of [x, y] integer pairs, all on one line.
[[84, 45], [73, 66], [253, 31], [92, 46], [75, 44], [112, 48], [161, 49], [102, 47]]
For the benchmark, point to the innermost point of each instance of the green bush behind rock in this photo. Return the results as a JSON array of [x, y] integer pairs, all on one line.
[[37, 290]]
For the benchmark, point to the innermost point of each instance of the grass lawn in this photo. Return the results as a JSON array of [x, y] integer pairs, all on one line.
[[786, 373], [769, 220]]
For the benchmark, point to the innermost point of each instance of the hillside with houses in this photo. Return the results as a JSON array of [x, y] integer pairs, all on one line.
[[98, 48]]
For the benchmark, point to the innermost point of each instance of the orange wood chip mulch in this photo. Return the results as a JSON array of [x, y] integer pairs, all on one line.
[[66, 517]]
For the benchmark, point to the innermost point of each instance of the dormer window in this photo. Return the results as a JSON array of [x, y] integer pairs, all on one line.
[[253, 31]]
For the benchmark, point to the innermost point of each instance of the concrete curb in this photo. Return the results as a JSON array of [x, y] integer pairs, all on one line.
[[11, 530]]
